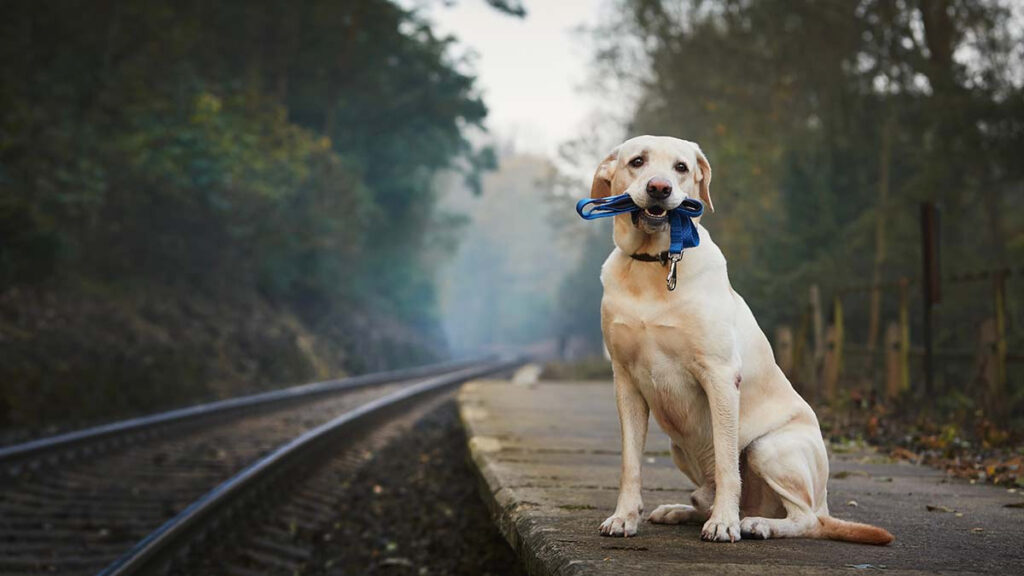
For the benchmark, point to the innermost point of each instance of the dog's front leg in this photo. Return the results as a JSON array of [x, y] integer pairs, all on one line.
[[633, 417], [720, 385]]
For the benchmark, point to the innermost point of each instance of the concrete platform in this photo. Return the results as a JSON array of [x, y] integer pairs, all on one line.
[[548, 457]]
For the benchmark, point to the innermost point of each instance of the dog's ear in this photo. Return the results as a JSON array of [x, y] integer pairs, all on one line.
[[602, 185], [705, 179]]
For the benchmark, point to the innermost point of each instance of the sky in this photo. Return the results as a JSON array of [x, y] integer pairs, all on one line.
[[531, 71]]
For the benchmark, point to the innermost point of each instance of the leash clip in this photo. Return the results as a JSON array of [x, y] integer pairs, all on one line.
[[670, 282]]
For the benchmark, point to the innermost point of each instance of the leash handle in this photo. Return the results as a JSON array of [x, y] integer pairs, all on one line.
[[605, 207]]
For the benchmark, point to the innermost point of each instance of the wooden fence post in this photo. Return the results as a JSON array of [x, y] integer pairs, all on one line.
[[997, 386], [904, 335], [894, 361], [784, 349], [931, 283], [833, 365], [818, 327], [985, 363], [805, 377], [830, 365], [837, 320]]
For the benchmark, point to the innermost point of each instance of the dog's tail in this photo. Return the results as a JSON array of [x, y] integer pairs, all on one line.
[[835, 529]]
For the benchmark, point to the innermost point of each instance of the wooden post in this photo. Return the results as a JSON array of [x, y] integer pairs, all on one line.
[[931, 285], [803, 375], [784, 349], [830, 365], [904, 335], [833, 365], [894, 361], [818, 327], [801, 338], [837, 321], [997, 387], [881, 210], [985, 363]]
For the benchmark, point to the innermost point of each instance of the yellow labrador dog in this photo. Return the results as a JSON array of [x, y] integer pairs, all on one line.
[[697, 359]]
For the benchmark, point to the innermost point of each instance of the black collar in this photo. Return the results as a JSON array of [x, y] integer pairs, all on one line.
[[645, 257]]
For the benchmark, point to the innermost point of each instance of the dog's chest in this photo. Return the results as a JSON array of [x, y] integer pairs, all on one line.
[[651, 329], [675, 399], [653, 341]]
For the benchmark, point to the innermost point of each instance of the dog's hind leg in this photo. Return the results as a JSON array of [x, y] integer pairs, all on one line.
[[793, 463], [697, 511], [796, 524]]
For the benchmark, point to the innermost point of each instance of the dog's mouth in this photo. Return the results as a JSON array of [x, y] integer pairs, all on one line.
[[653, 215]]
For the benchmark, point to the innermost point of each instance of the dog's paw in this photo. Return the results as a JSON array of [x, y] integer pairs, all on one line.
[[755, 527], [620, 525], [673, 514], [721, 529]]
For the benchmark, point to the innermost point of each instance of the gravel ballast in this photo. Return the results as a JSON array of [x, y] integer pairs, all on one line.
[[415, 508]]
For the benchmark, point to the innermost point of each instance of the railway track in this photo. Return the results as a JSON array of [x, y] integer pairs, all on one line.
[[127, 497]]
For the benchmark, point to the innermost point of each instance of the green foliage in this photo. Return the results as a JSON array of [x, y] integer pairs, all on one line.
[[797, 104], [234, 150]]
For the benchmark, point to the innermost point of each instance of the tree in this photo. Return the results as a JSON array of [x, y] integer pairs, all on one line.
[[275, 153], [827, 122]]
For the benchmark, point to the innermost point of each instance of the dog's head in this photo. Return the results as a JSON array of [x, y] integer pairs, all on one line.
[[658, 173]]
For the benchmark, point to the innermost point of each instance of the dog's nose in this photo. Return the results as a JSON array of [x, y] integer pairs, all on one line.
[[659, 188]]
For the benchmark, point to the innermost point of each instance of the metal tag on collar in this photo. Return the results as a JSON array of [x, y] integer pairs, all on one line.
[[671, 280]]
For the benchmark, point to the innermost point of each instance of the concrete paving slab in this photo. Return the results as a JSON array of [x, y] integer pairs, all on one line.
[[548, 458]]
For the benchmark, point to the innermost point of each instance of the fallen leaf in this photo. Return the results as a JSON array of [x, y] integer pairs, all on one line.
[[977, 529], [1015, 505], [852, 503], [934, 508], [903, 454]]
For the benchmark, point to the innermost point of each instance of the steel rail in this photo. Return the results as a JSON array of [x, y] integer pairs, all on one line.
[[159, 548], [51, 450]]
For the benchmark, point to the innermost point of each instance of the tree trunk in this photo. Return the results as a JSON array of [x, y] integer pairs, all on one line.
[[940, 38], [335, 75]]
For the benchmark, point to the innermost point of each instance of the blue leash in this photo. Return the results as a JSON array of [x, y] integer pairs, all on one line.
[[683, 230]]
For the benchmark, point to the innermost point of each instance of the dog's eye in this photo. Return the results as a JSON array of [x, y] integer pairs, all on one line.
[[637, 162], [681, 168]]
